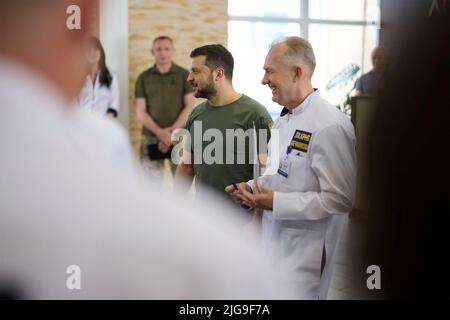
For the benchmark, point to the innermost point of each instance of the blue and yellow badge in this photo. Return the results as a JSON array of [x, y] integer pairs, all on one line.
[[300, 140]]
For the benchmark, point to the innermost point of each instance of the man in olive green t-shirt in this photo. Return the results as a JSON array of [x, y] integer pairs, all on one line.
[[226, 115], [164, 100]]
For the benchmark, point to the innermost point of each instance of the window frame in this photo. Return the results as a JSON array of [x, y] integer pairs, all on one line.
[[304, 21]]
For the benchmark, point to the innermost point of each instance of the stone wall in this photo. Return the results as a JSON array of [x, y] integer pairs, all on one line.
[[191, 23]]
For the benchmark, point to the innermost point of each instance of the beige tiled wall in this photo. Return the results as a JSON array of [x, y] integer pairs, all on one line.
[[191, 23]]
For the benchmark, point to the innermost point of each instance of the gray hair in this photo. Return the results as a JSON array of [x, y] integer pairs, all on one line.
[[297, 49]]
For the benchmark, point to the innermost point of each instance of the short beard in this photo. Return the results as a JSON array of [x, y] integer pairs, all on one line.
[[208, 91]]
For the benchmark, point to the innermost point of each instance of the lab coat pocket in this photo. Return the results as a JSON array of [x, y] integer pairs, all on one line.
[[297, 170], [302, 255]]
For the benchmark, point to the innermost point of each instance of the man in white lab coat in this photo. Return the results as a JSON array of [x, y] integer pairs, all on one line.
[[74, 221], [309, 185]]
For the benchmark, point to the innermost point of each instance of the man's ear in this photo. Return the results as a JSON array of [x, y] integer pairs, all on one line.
[[298, 73], [220, 73]]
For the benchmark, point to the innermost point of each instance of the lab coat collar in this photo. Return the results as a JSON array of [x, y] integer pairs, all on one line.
[[97, 79], [299, 109], [305, 103]]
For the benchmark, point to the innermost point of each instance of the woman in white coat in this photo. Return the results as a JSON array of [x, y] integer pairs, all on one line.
[[100, 93]]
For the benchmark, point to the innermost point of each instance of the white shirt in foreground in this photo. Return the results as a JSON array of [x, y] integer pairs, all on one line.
[[63, 202]]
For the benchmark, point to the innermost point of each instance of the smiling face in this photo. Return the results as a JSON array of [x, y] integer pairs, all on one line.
[[278, 76], [163, 51], [201, 79]]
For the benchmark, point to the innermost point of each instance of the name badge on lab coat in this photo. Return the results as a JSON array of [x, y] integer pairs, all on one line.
[[285, 164]]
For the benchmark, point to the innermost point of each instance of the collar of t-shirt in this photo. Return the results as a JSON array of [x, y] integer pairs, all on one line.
[[154, 69]]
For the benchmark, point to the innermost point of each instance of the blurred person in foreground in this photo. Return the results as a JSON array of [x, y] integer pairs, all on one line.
[[64, 203], [409, 223], [309, 185]]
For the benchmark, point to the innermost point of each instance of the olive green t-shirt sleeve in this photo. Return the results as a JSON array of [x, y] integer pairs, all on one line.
[[140, 88], [263, 125], [187, 142]]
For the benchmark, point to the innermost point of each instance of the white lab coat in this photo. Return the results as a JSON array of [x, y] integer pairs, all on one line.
[[97, 98], [64, 201], [311, 204]]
